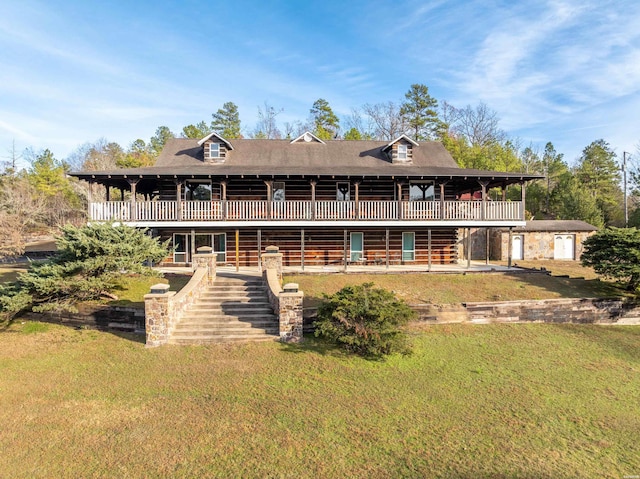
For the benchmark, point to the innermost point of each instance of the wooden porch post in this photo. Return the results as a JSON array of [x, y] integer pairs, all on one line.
[[313, 199], [107, 193], [133, 184], [442, 199], [178, 200], [399, 187], [121, 194], [269, 184], [483, 210], [524, 198], [223, 198], [357, 212], [386, 247], [302, 248]]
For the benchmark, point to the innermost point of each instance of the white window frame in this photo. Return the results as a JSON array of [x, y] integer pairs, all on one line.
[[411, 252], [403, 151], [354, 254], [213, 150]]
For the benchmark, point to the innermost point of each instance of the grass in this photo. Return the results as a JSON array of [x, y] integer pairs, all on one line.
[[9, 272], [492, 401], [457, 288], [132, 289]]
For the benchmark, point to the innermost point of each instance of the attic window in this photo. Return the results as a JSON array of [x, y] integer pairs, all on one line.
[[402, 152], [214, 150]]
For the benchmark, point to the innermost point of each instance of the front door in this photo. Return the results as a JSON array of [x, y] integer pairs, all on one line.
[[517, 245]]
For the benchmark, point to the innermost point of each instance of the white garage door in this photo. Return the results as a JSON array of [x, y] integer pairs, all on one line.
[[563, 246]]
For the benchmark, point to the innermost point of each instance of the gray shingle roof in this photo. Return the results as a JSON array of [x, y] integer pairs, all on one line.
[[184, 157]]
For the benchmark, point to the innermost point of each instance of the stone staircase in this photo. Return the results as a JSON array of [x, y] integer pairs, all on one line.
[[234, 308]]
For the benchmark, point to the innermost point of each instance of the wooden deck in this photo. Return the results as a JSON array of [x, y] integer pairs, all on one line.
[[260, 210]]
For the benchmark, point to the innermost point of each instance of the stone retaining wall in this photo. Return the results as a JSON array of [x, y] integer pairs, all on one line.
[[112, 318], [570, 310]]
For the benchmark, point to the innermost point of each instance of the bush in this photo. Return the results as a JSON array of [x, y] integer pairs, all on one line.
[[87, 266], [365, 320], [615, 253]]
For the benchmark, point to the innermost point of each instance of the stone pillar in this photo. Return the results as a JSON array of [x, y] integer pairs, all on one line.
[[205, 258], [290, 314], [157, 314], [272, 259]]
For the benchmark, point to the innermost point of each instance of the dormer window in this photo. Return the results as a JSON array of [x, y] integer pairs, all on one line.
[[214, 150], [402, 151]]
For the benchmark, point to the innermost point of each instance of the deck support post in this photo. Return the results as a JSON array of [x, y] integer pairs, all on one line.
[[486, 245], [429, 248], [344, 249], [259, 240], [386, 247], [237, 250], [302, 248], [468, 248], [510, 247]]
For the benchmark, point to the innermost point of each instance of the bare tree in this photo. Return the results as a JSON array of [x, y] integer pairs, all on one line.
[[386, 119], [478, 125], [267, 128]]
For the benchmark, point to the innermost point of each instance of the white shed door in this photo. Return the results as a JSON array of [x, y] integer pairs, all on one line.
[[517, 247], [563, 246]]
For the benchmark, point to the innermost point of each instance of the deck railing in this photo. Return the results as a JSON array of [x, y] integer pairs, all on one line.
[[256, 210]]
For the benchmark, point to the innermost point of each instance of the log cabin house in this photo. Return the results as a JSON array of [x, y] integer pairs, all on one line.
[[321, 202]]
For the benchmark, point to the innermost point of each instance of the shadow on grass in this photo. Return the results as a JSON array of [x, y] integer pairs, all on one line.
[[621, 341], [324, 347]]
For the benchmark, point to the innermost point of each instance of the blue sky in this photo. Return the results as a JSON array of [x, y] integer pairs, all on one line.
[[566, 71]]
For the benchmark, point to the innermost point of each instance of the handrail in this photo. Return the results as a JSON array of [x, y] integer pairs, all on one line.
[[305, 210]]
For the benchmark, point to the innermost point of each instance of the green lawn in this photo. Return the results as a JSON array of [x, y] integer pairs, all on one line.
[[490, 401]]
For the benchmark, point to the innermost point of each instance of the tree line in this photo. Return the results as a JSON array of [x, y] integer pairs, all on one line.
[[42, 196]]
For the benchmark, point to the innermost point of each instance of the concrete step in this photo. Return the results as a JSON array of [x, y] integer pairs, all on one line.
[[224, 331], [205, 310], [202, 340], [235, 304], [209, 296], [226, 321], [231, 298]]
